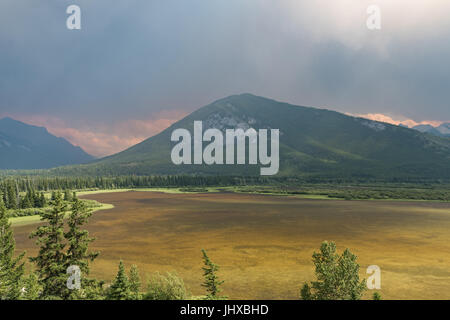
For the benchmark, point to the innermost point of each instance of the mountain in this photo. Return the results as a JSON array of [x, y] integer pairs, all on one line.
[[444, 129], [441, 131], [23, 146], [313, 142]]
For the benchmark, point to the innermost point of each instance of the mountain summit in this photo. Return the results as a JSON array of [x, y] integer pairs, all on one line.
[[23, 146], [313, 143], [442, 130]]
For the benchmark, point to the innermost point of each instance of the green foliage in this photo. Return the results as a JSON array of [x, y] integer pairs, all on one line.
[[305, 292], [67, 195], [31, 287], [79, 240], [11, 193], [77, 252], [11, 268], [337, 276], [376, 296], [90, 289], [349, 188], [166, 287], [135, 283], [212, 283], [120, 288], [51, 259], [60, 249]]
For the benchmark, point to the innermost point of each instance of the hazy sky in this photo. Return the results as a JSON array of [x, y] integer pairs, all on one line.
[[138, 65]]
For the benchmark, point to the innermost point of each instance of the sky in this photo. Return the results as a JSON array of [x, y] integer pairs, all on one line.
[[137, 66]]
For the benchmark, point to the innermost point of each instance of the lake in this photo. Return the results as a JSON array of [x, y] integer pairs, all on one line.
[[264, 243]]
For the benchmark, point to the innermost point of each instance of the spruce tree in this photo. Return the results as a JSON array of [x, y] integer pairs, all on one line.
[[12, 197], [212, 283], [135, 283], [67, 195], [51, 259], [43, 201], [78, 241], [11, 268], [31, 289], [120, 288]]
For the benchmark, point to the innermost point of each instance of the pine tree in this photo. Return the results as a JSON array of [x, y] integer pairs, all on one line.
[[135, 283], [67, 195], [31, 288], [51, 259], [120, 288], [337, 276], [26, 202], [12, 197], [78, 240], [11, 269], [43, 200], [212, 283]]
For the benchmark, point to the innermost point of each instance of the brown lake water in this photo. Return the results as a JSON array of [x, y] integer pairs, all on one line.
[[264, 243]]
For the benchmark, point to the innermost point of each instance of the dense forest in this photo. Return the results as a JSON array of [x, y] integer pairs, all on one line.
[[21, 191]]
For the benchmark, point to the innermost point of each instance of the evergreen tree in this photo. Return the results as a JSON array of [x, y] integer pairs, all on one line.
[[120, 288], [51, 259], [12, 197], [43, 201], [135, 283], [11, 268], [212, 283], [78, 241], [376, 296], [337, 276], [31, 288], [26, 201], [67, 195]]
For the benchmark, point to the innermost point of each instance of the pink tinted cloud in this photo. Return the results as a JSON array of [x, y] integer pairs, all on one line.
[[407, 122], [102, 140]]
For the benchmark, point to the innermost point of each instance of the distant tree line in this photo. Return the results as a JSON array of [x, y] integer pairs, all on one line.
[[12, 198], [43, 183], [23, 183]]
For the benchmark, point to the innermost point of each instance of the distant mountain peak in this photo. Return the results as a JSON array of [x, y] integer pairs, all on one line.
[[313, 143], [25, 146], [442, 130]]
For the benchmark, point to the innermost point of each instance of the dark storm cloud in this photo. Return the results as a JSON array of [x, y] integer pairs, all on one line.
[[136, 58]]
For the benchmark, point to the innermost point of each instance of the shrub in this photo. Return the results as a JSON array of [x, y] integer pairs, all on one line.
[[166, 287]]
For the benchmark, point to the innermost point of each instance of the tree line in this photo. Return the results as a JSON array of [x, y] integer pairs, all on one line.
[[13, 187], [12, 198], [43, 183]]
